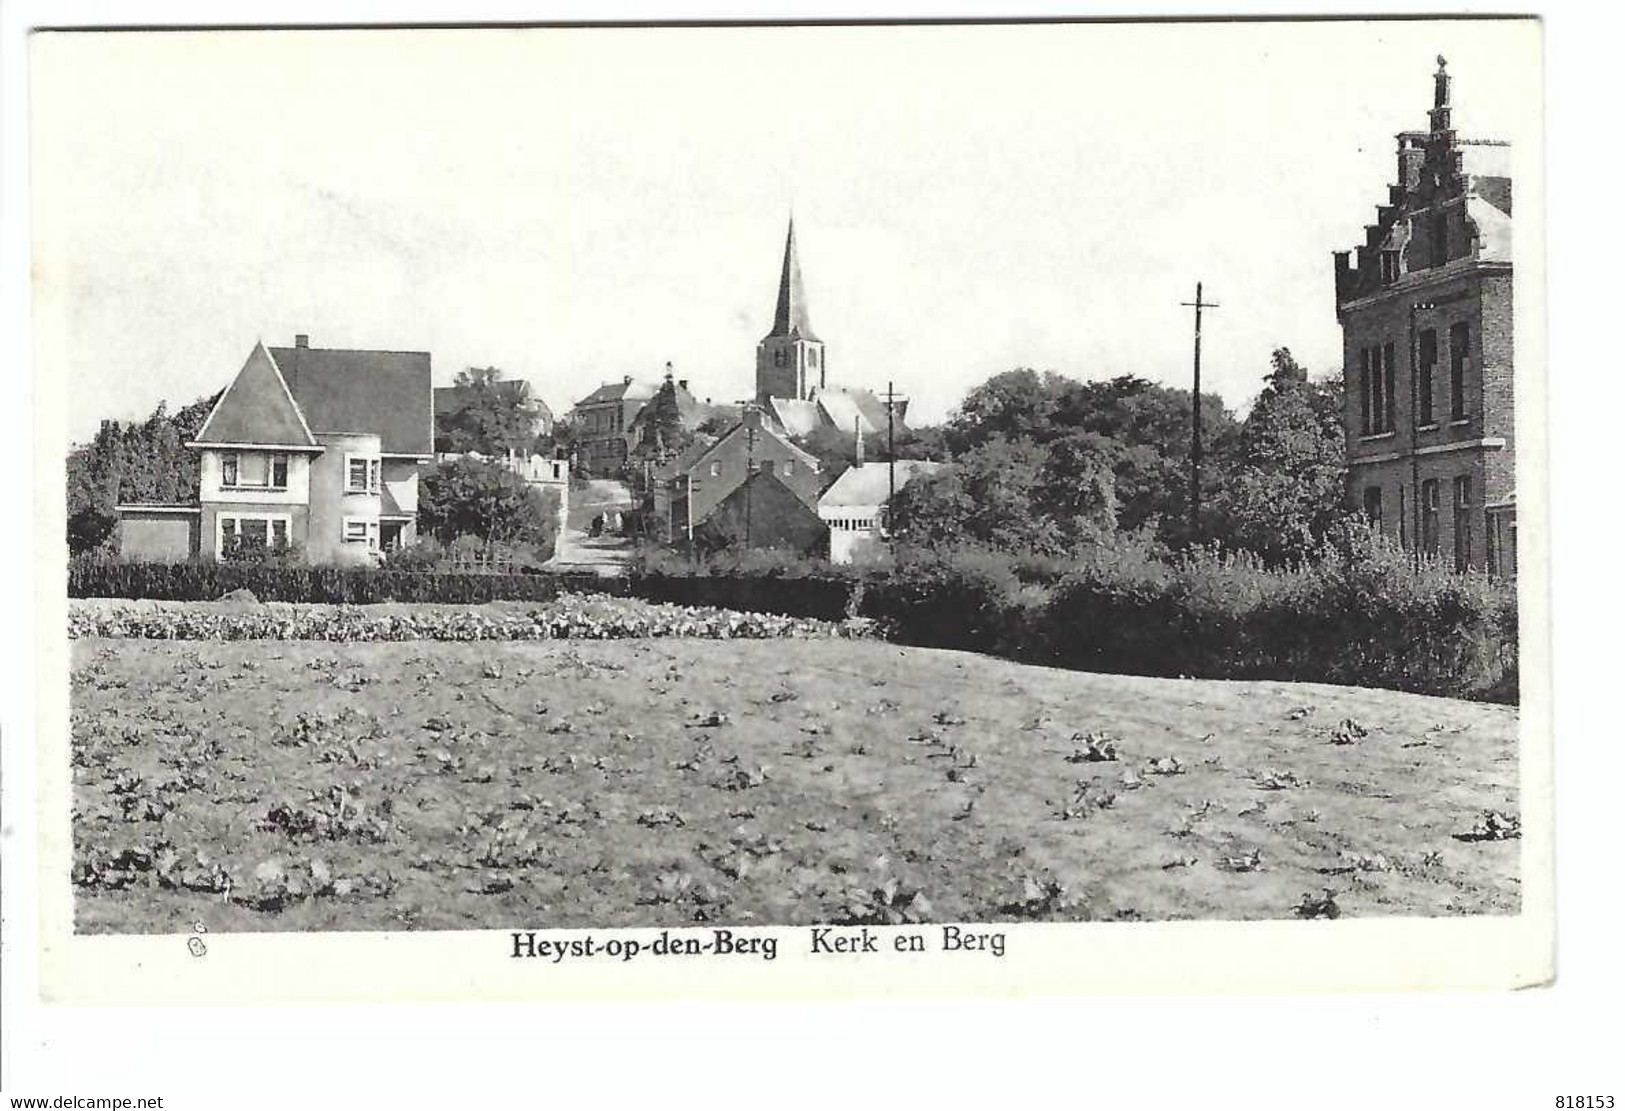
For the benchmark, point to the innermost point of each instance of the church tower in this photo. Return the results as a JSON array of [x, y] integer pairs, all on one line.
[[790, 358]]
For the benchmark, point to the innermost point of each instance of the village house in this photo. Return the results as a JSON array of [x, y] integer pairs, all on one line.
[[611, 423], [855, 506], [314, 447], [689, 489], [1426, 309]]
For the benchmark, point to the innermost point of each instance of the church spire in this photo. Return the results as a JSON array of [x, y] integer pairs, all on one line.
[[790, 314]]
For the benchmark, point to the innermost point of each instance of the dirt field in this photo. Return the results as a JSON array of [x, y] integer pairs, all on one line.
[[677, 782]]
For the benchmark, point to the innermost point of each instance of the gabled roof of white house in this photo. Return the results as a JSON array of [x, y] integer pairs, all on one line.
[[869, 484], [257, 408]]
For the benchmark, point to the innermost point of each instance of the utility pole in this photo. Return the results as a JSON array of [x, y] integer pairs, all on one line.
[[891, 458], [1196, 413], [750, 472]]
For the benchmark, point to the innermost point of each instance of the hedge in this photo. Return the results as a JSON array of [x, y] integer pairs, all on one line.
[[1359, 614], [824, 598]]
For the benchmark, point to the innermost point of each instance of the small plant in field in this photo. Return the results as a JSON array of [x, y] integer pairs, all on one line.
[[1494, 825], [945, 717], [1257, 806], [1039, 898], [1088, 797], [1166, 765], [1368, 862], [739, 779], [1324, 906], [1273, 779], [662, 816], [1347, 732], [1093, 748], [1180, 862], [1132, 780], [889, 904], [1298, 713], [708, 719], [1432, 859], [1252, 861]]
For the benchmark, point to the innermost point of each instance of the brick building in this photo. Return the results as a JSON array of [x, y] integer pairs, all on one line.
[[691, 487], [1426, 310]]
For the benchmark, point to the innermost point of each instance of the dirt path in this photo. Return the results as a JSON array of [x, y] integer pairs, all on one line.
[[674, 782], [577, 548]]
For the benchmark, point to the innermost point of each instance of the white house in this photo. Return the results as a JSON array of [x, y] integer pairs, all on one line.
[[854, 506]]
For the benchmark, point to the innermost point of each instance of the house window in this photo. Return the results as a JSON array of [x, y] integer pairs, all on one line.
[[716, 468], [362, 474], [789, 467], [1426, 359], [228, 470], [1430, 516], [1365, 391], [1463, 521], [359, 530], [1458, 371], [258, 530], [1390, 267], [1373, 505], [1387, 387], [1441, 242]]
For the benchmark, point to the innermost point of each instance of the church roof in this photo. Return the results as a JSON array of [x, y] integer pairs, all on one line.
[[797, 418], [790, 312]]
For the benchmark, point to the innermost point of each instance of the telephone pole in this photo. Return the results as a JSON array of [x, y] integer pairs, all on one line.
[[1196, 413], [750, 472]]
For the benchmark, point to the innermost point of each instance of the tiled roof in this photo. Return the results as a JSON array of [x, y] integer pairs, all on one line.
[[620, 391], [257, 408], [387, 393], [797, 418], [870, 483]]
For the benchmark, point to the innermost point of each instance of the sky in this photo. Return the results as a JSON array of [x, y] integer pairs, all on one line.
[[576, 205]]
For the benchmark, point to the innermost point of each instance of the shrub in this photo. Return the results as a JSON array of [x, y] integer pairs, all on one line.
[[966, 598]]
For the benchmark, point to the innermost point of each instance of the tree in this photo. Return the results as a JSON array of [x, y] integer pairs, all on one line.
[[1285, 477], [89, 527], [493, 415], [137, 461], [663, 434], [485, 500], [1013, 495], [1018, 403]]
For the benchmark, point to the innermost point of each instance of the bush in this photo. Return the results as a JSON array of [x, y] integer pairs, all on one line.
[[965, 599]]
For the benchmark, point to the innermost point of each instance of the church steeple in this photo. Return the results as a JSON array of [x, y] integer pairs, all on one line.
[[790, 314], [790, 358]]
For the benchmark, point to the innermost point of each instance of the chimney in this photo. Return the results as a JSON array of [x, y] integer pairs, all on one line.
[[857, 430], [301, 340], [682, 383], [626, 380]]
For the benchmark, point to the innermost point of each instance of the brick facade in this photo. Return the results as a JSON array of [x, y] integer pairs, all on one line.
[[1426, 310]]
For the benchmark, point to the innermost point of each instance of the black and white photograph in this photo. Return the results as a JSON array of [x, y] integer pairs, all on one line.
[[632, 491]]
